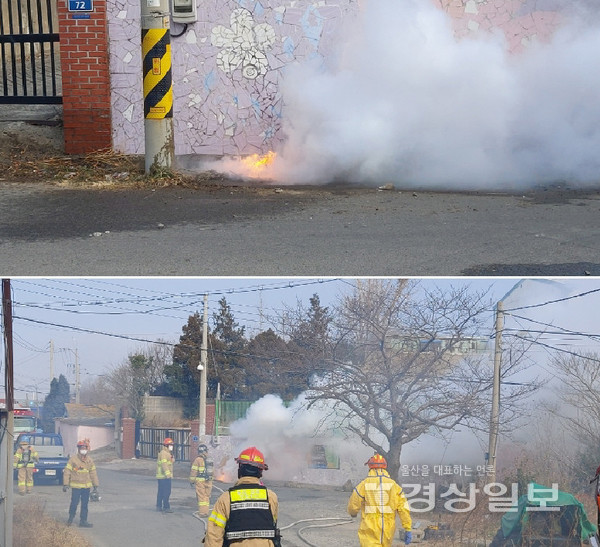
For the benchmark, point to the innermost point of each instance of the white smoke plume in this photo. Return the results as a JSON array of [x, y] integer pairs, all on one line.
[[406, 102], [286, 436]]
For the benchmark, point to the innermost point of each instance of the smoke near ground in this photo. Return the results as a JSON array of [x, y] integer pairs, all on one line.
[[286, 436], [407, 103]]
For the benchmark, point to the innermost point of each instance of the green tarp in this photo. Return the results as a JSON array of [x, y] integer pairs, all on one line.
[[513, 521]]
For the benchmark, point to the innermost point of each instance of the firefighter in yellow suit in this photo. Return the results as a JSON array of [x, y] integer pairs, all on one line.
[[80, 476], [201, 477], [164, 474], [379, 498], [24, 462]]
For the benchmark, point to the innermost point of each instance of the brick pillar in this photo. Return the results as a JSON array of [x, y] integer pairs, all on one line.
[[127, 438], [194, 428], [210, 419], [84, 54]]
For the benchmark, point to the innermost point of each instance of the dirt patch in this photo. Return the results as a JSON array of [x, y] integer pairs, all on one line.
[[32, 150]]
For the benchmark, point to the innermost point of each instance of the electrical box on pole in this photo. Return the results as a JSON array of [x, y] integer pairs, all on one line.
[[183, 11]]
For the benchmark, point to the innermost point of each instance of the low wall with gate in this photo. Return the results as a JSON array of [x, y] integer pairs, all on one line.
[[223, 449], [228, 67]]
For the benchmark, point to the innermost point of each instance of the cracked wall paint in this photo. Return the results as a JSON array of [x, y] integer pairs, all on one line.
[[227, 68]]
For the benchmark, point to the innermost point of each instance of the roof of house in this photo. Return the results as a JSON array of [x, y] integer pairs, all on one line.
[[89, 414], [74, 410]]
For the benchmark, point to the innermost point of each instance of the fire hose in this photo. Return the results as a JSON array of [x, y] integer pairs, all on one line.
[[344, 520], [195, 514]]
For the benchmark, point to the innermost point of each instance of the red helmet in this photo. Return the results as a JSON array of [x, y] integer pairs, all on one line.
[[168, 441], [376, 462], [252, 456], [83, 444]]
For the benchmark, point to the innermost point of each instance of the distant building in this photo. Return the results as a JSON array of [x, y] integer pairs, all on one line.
[[94, 422], [449, 344]]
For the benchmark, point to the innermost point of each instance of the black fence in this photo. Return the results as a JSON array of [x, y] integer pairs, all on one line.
[[29, 52], [152, 438]]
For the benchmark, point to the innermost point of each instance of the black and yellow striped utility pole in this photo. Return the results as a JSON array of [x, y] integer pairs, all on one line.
[[158, 85]]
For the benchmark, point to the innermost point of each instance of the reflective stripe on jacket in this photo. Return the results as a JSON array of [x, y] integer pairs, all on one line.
[[217, 522], [198, 469], [80, 472], [379, 498], [164, 464], [250, 513], [25, 457]]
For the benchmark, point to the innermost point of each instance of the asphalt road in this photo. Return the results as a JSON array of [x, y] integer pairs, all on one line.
[[126, 514], [242, 231]]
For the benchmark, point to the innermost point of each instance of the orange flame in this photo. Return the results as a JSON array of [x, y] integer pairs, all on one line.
[[256, 164]]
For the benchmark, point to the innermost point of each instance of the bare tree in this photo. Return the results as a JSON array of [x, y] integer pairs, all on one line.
[[576, 410], [96, 392], [580, 389], [127, 383], [408, 361]]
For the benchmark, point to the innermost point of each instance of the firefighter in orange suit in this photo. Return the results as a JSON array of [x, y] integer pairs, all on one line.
[[379, 498], [246, 514], [201, 476], [164, 474], [24, 462], [80, 476]]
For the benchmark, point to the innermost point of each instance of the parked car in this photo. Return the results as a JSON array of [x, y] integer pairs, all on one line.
[[51, 451]]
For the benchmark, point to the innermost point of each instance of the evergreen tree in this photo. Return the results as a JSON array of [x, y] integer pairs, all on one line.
[[182, 377], [310, 338], [272, 368], [227, 363], [54, 403]]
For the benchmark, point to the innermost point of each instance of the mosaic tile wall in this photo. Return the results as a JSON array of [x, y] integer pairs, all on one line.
[[522, 21], [227, 67]]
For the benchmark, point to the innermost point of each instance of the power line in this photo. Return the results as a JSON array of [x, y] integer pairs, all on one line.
[[562, 329], [136, 339], [580, 295], [537, 342], [199, 295], [74, 305]]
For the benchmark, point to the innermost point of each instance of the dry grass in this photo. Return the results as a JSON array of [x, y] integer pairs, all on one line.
[[478, 526], [19, 162], [32, 527]]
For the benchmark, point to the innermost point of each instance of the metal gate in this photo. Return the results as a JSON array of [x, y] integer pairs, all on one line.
[[151, 441], [29, 52]]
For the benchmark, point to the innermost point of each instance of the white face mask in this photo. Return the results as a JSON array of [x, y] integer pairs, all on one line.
[[171, 447], [83, 452]]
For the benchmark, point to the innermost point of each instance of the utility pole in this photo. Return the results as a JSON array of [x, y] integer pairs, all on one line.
[[495, 415], [158, 85], [7, 422], [260, 311], [51, 360], [76, 376], [203, 371]]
